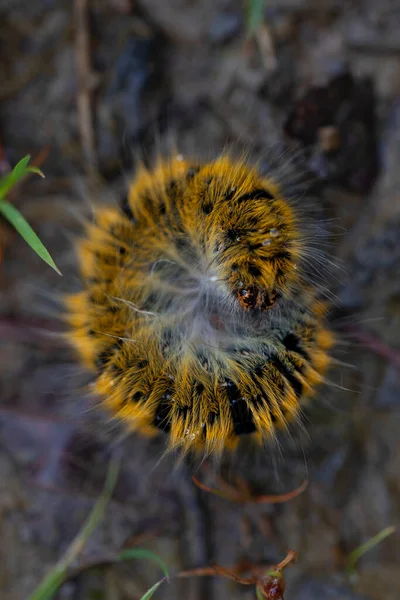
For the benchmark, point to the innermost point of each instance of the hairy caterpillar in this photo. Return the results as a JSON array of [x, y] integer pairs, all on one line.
[[199, 314]]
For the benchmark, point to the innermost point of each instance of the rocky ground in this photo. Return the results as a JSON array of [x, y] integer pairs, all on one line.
[[85, 92]]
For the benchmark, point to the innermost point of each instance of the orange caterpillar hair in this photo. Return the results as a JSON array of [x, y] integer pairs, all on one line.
[[199, 315]]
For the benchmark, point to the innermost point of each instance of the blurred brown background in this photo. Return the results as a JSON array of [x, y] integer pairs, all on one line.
[[87, 86]]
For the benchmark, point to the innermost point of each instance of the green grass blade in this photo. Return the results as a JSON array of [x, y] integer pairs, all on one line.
[[255, 15], [49, 586], [6, 184], [135, 553], [151, 591], [21, 170], [51, 583], [25, 230], [35, 170], [95, 516], [354, 556]]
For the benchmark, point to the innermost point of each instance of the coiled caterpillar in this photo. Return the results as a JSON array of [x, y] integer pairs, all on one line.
[[199, 313]]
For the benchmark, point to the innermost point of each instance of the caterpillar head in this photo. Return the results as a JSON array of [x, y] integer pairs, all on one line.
[[250, 236]]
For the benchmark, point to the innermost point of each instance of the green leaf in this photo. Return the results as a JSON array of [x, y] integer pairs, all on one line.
[[6, 184], [134, 553], [25, 230], [13, 215], [21, 170], [151, 591]]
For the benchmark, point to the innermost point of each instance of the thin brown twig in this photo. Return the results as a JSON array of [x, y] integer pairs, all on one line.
[[256, 571], [244, 496], [281, 498], [231, 573], [199, 572], [84, 88], [290, 557]]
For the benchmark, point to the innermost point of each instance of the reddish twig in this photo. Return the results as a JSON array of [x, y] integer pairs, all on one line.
[[269, 581], [244, 495]]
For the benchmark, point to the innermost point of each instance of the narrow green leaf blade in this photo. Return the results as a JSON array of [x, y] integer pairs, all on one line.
[[49, 586], [96, 514], [6, 184], [19, 171], [53, 581], [151, 591], [25, 230], [255, 15], [11, 179], [134, 553], [356, 554], [35, 170]]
